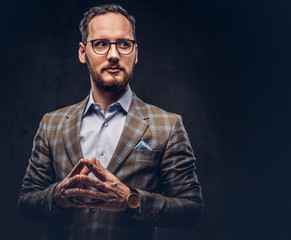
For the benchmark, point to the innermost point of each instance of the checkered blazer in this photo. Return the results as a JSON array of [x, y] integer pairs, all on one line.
[[164, 176]]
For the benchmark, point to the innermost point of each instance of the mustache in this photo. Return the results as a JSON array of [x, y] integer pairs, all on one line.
[[116, 66]]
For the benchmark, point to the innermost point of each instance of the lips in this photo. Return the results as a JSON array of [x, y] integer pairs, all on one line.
[[113, 69]]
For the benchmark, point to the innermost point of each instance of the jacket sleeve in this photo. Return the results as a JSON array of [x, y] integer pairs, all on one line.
[[35, 200], [180, 204]]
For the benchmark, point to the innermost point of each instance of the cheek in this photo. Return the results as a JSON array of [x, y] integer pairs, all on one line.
[[95, 62]]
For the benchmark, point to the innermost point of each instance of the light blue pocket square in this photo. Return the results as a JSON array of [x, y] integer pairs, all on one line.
[[142, 145]]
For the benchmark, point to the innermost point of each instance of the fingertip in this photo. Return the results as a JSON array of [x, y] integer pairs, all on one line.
[[97, 162], [85, 170], [81, 161], [88, 161]]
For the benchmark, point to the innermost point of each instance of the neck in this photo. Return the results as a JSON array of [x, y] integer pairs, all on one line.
[[106, 98]]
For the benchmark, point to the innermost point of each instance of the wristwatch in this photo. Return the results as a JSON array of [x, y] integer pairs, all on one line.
[[133, 199]]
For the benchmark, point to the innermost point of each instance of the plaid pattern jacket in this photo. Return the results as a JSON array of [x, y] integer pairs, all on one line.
[[164, 176]]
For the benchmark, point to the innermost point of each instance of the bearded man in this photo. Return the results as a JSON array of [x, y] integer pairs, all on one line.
[[111, 166]]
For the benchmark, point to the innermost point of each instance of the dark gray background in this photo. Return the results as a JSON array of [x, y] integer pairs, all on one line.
[[223, 65]]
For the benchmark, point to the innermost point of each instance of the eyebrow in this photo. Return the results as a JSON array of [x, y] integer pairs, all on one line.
[[119, 39]]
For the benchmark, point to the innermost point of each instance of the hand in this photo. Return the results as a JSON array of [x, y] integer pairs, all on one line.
[[73, 181], [112, 191], [109, 195]]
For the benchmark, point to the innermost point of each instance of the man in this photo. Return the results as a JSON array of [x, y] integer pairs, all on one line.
[[144, 176]]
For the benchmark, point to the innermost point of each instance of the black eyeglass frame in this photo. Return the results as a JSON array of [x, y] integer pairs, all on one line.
[[110, 43]]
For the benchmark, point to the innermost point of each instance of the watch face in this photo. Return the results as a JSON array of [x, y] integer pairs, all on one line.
[[133, 200]]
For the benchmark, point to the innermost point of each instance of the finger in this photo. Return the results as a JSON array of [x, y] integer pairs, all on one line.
[[79, 192], [71, 182], [84, 179], [75, 202], [77, 169], [79, 179], [86, 193], [108, 176], [97, 163], [98, 171], [93, 182], [85, 171]]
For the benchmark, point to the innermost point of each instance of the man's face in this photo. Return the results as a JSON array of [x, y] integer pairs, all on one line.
[[112, 71]]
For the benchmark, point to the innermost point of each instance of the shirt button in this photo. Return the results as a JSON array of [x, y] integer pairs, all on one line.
[[102, 153], [96, 107], [106, 124]]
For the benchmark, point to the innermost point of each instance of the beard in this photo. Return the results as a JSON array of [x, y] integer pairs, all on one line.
[[113, 85]]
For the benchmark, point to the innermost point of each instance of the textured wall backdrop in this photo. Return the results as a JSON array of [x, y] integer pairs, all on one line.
[[223, 65]]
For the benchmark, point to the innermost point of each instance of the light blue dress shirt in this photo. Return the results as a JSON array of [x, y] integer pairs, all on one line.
[[99, 134]]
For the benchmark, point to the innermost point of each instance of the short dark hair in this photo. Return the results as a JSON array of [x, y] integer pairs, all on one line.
[[107, 8]]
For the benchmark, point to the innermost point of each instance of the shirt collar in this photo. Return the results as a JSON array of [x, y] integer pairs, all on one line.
[[124, 101]]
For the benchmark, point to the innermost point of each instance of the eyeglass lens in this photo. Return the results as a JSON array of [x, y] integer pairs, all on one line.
[[103, 46]]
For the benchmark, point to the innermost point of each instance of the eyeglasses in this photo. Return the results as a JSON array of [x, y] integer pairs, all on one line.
[[102, 46]]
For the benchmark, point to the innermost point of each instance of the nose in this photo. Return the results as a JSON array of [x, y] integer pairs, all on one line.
[[113, 53]]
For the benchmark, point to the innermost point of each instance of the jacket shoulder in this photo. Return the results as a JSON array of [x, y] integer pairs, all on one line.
[[157, 110], [61, 114], [159, 113], [156, 114]]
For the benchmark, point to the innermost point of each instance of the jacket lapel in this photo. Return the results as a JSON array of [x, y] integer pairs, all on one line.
[[134, 128], [71, 131]]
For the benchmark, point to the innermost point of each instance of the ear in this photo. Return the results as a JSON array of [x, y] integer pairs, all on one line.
[[136, 54], [82, 52]]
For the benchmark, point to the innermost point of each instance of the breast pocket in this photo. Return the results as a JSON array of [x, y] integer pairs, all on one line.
[[149, 156]]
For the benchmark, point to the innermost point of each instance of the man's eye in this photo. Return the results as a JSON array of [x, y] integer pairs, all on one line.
[[124, 44], [100, 44]]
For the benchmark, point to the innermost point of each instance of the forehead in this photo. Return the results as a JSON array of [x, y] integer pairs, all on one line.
[[109, 26]]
